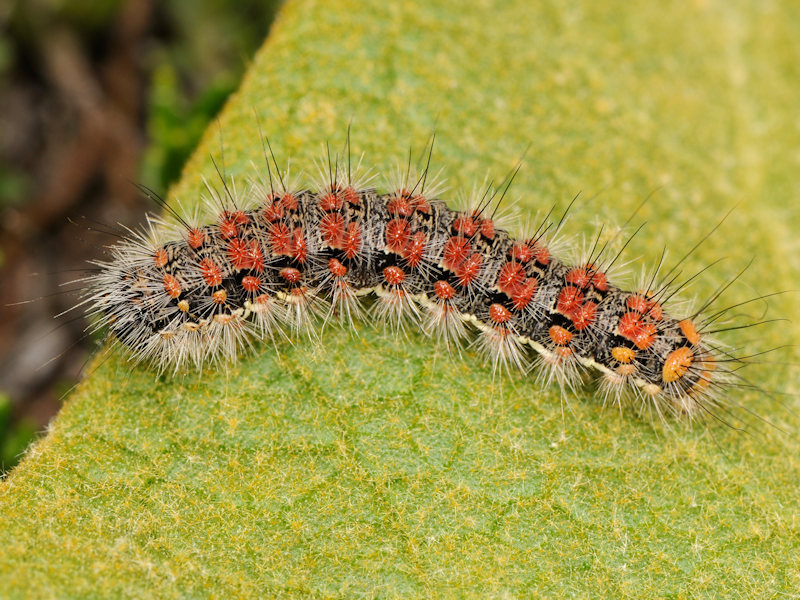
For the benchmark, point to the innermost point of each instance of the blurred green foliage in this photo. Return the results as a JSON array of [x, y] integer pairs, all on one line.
[[194, 75], [12, 183], [32, 19], [14, 436]]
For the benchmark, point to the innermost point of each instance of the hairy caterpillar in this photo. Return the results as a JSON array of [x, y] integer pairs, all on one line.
[[280, 258]]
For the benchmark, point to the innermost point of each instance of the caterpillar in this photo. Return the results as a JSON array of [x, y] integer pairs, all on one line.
[[282, 258]]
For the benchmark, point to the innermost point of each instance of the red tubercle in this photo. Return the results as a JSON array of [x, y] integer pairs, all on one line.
[[332, 200], [600, 281], [456, 251], [245, 255], [420, 204], [523, 296], [511, 278], [298, 248], [299, 291], [276, 206], [237, 253], [251, 284], [172, 286], [487, 229], [584, 316], [415, 249], [499, 313], [350, 195], [238, 216], [290, 274], [569, 301], [161, 258], [256, 257], [351, 241], [397, 235], [443, 290], [230, 222], [637, 302], [399, 205], [210, 272], [288, 202], [583, 277], [632, 326], [541, 254], [273, 211], [469, 270], [629, 324], [279, 238], [286, 243], [336, 268], [563, 352], [571, 304], [644, 306], [195, 237], [332, 228], [465, 225], [655, 312], [521, 252], [394, 275], [578, 276]]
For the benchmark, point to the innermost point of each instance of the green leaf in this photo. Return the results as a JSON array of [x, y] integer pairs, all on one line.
[[363, 466]]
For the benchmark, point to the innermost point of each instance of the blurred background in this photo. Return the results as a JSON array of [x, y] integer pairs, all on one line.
[[95, 96]]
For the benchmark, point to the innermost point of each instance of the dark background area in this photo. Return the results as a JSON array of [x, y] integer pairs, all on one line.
[[94, 98]]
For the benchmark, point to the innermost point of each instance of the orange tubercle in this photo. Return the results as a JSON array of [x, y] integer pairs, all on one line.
[[559, 335], [626, 370], [623, 354], [677, 363], [690, 331]]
